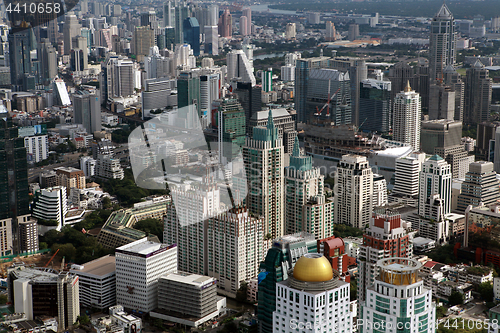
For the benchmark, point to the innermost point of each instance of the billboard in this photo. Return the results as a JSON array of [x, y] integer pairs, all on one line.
[[32, 130]]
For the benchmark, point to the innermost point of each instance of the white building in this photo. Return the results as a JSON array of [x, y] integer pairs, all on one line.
[[139, 265], [235, 249], [97, 282], [398, 300], [379, 191], [313, 299], [51, 204], [288, 73], [435, 178], [407, 114], [353, 200], [129, 323], [238, 66], [290, 31], [108, 167], [6, 236], [407, 175], [37, 146], [87, 165]]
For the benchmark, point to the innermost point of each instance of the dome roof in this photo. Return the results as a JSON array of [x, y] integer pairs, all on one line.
[[313, 267]]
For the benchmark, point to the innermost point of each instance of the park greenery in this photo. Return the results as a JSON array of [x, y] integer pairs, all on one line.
[[343, 231], [151, 226], [456, 298]]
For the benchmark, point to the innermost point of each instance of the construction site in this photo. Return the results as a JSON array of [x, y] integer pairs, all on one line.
[[43, 259]]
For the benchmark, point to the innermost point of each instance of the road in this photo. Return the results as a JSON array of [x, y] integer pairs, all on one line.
[[70, 160]]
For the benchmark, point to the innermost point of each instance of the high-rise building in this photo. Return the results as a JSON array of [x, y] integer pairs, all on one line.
[[226, 24], [443, 44], [385, 237], [290, 31], [305, 187], [379, 191], [477, 95], [186, 224], [480, 186], [283, 119], [238, 66], [441, 102], [441, 133], [188, 87], [288, 73], [28, 234], [397, 299], [354, 181], [353, 32], [243, 26], [37, 146], [331, 33], [313, 291], [407, 175], [330, 88], [247, 12], [375, 105], [267, 80], [87, 110], [211, 40], [435, 178], [231, 128], [210, 83], [24, 68], [250, 98], [235, 249], [48, 61], [119, 77], [139, 265], [455, 82], [181, 13], [51, 204], [71, 29], [407, 114], [279, 260], [264, 163], [142, 41], [191, 31], [169, 14]]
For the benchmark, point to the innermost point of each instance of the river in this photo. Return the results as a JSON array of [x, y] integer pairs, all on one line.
[[265, 8], [270, 55]]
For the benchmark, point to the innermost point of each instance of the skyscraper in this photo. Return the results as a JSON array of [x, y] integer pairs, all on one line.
[[231, 127], [267, 80], [353, 31], [211, 40], [407, 113], [435, 178], [188, 87], [191, 32], [181, 13], [441, 102], [226, 24], [454, 80], [142, 41], [247, 12], [71, 29], [375, 105], [290, 31], [250, 99], [477, 95], [24, 69], [48, 61], [243, 26], [398, 299], [385, 237], [87, 110], [407, 175], [480, 186], [169, 14], [331, 33], [238, 66], [264, 158], [353, 200], [443, 44]]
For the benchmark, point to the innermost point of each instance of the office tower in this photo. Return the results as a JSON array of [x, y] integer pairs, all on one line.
[[28, 234], [434, 224], [186, 223], [331, 33], [24, 69], [247, 12], [238, 66], [407, 114], [353, 31], [305, 187], [398, 299], [264, 158], [80, 43], [226, 24], [440, 134], [181, 13], [455, 82], [71, 29], [210, 82], [422, 82], [288, 73], [139, 265], [188, 87], [280, 258], [329, 96], [379, 191], [148, 19], [443, 44], [399, 75], [283, 120], [354, 181], [477, 95], [235, 249], [211, 40], [51, 204], [313, 291], [48, 61], [142, 41], [119, 77], [313, 18], [37, 292], [87, 110], [375, 105], [441, 102], [407, 175], [385, 237], [169, 14], [231, 128], [184, 58], [97, 282], [157, 66], [191, 30], [157, 94], [435, 178], [250, 99], [480, 186], [243, 26], [267, 80], [290, 31], [358, 71]]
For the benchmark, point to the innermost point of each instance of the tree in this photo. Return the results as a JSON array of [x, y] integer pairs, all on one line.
[[106, 203], [486, 291], [42, 246], [241, 294], [354, 290], [83, 319], [441, 311], [456, 298], [151, 226], [3, 299]]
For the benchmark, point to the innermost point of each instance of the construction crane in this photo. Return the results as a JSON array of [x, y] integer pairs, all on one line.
[[51, 258], [327, 104]]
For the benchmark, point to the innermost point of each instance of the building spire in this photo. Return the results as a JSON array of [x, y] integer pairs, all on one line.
[[408, 87], [270, 121], [296, 150]]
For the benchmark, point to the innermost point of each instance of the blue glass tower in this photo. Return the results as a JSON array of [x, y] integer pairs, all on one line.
[[191, 29]]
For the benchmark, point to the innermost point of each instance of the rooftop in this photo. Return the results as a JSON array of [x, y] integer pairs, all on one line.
[[141, 246], [191, 279], [99, 267]]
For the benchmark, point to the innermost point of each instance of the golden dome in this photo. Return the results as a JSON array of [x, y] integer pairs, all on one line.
[[313, 267]]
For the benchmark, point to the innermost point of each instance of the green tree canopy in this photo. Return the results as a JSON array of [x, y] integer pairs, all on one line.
[[151, 226]]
